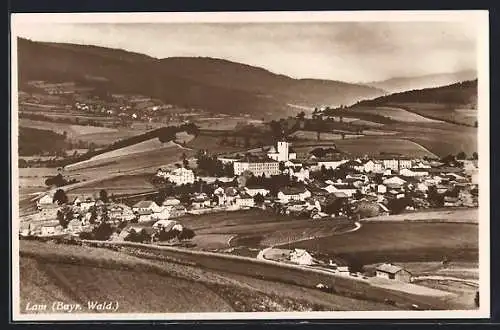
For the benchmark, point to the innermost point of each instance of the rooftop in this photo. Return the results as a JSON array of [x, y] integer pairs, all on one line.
[[389, 268]]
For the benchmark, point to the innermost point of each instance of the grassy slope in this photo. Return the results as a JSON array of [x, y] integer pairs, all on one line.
[[380, 242], [77, 274]]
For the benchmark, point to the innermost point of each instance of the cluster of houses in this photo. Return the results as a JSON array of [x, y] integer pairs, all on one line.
[[88, 212], [369, 182]]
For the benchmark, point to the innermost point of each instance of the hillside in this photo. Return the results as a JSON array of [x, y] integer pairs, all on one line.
[[456, 103], [400, 84], [75, 274], [215, 85]]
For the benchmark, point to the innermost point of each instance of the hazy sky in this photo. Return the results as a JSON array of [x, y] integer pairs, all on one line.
[[347, 51]]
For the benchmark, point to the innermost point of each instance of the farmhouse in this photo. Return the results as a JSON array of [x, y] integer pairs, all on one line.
[[394, 181], [171, 201], [254, 190], [50, 228], [257, 166], [392, 272], [176, 211], [288, 194], [301, 257], [145, 206], [244, 200]]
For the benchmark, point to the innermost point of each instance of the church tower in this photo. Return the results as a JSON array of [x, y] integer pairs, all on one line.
[[283, 151]]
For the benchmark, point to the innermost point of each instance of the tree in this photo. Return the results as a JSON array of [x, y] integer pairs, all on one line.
[[62, 219], [103, 231], [358, 194], [397, 205], [103, 196], [60, 197], [186, 233], [93, 215], [474, 155], [301, 115], [461, 155], [434, 198], [258, 199]]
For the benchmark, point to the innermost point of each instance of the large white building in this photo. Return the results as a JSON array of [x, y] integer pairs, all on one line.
[[181, 176], [257, 166], [282, 152]]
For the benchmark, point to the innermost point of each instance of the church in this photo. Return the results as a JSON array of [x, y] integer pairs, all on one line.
[[282, 153]]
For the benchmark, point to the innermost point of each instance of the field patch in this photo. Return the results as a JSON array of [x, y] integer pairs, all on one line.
[[395, 113], [310, 135], [127, 184], [374, 145], [401, 242]]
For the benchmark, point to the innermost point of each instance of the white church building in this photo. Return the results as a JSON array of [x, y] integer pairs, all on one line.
[[282, 152]]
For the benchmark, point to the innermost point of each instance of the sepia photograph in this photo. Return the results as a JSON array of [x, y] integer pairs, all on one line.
[[257, 165]]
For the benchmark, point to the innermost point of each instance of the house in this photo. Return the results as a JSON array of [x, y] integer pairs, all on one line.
[[371, 166], [75, 226], [244, 200], [170, 201], [301, 257], [413, 172], [347, 189], [293, 193], [145, 215], [421, 186], [144, 206], [381, 189], [331, 164], [200, 201], [176, 211], [181, 176], [163, 214], [450, 201], [50, 228], [395, 163], [45, 201], [254, 190], [165, 225], [301, 174], [394, 181], [393, 272]]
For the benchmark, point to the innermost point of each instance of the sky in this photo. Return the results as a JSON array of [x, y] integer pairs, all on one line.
[[345, 51]]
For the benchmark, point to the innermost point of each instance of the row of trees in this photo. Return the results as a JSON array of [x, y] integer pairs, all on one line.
[[210, 165]]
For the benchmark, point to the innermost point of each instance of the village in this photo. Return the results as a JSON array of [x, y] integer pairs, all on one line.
[[326, 186]]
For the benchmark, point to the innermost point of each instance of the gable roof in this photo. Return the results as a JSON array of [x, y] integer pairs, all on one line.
[[293, 190], [145, 204], [389, 268]]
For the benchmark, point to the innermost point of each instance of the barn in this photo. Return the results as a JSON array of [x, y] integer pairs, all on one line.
[[393, 272]]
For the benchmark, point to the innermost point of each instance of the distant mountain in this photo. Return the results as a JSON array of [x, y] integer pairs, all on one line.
[[456, 103], [458, 94], [215, 85], [401, 84]]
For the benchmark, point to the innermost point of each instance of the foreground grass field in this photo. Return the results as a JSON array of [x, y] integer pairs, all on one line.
[[77, 274], [401, 242]]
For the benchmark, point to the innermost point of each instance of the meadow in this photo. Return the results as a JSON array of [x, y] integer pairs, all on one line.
[[401, 242]]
